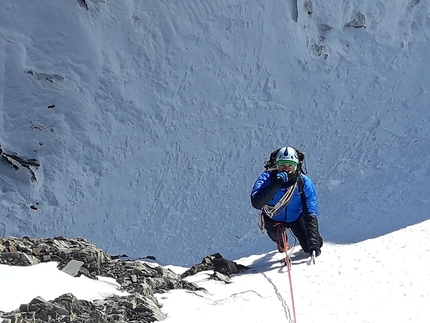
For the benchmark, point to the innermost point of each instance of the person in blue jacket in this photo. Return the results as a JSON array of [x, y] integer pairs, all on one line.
[[287, 199]]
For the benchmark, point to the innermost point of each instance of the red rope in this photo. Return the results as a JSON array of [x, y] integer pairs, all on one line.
[[288, 263], [281, 230]]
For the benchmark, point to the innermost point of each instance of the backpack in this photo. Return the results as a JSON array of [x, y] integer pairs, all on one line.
[[271, 162]]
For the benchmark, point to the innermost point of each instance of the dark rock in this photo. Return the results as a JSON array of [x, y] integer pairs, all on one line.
[[217, 263], [139, 279], [17, 258], [13, 160]]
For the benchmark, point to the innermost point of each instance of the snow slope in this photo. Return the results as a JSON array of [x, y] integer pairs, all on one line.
[[375, 281]]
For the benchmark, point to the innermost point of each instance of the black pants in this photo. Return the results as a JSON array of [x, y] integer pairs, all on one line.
[[305, 229]]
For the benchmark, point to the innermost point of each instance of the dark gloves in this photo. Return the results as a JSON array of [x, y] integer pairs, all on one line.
[[315, 250]]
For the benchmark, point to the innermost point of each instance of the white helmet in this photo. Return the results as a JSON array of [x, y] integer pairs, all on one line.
[[288, 154]]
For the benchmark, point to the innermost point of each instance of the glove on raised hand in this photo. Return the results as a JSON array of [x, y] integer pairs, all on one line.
[[281, 178]]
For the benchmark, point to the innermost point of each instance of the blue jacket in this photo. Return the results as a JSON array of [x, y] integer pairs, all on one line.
[[291, 213]]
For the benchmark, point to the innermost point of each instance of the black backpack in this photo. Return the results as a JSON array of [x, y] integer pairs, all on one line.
[[271, 162]]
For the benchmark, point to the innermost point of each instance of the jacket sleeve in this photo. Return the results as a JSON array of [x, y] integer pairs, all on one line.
[[311, 196], [311, 220], [263, 191], [312, 231]]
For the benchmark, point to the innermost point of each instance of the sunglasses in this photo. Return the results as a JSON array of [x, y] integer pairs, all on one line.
[[286, 162]]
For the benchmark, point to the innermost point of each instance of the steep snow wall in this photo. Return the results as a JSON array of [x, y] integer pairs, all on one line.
[[151, 119]]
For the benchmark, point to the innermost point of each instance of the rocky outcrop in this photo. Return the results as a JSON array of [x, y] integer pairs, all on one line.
[[67, 308], [27, 252], [80, 257], [15, 161], [218, 264]]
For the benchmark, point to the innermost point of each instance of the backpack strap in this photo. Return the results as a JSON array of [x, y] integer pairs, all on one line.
[[301, 184]]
